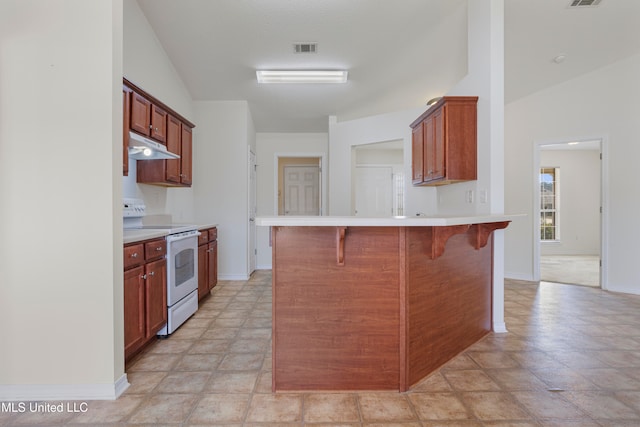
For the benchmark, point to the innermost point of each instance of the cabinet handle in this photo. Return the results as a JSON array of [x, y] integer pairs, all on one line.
[[153, 273], [134, 255], [159, 248], [144, 277]]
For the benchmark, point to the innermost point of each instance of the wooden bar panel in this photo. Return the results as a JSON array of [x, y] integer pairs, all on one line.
[[335, 327], [449, 300], [376, 308]]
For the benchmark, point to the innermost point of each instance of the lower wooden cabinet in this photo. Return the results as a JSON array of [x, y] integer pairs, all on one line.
[[155, 297], [134, 327], [145, 293], [207, 261]]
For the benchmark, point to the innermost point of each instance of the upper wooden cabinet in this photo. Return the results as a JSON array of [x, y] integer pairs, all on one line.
[[186, 157], [158, 128], [148, 116], [126, 124], [140, 114], [170, 173], [444, 142]]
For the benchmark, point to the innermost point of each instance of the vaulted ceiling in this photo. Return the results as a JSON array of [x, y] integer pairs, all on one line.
[[399, 53]]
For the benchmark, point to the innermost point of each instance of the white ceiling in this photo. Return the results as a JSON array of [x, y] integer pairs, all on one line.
[[399, 53]]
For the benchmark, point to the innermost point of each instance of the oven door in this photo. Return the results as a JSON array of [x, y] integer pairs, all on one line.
[[182, 266]]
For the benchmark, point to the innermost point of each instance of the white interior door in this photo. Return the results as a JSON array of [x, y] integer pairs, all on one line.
[[374, 191], [302, 190]]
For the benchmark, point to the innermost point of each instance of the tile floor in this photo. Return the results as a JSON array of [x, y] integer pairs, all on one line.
[[571, 358]]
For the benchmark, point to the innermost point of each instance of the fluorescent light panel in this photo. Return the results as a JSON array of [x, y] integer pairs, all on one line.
[[301, 76]]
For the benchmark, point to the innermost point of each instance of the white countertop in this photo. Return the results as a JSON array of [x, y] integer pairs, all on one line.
[[138, 235], [131, 236], [354, 221]]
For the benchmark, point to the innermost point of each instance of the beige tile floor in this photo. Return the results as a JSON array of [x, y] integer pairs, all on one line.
[[571, 358]]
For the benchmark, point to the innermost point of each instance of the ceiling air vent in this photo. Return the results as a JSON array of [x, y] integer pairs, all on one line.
[[305, 47], [584, 3]]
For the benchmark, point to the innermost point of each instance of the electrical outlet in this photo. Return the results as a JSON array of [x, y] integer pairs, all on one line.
[[484, 197], [469, 196]]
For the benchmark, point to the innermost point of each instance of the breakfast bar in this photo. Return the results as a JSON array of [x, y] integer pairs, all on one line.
[[376, 303]]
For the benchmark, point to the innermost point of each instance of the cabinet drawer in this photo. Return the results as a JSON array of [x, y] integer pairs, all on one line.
[[133, 255], [155, 249], [213, 234], [203, 237]]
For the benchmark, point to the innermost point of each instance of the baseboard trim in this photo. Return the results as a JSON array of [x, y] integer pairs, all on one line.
[[518, 276], [500, 328], [33, 392]]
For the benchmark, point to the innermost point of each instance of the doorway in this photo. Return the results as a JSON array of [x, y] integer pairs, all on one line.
[[299, 187], [569, 204], [378, 183]]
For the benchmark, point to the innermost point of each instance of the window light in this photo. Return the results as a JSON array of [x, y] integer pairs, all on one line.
[[301, 76]]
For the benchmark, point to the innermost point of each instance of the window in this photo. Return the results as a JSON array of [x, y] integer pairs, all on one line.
[[549, 197]]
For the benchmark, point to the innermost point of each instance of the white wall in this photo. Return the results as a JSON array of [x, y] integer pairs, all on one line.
[[601, 104], [220, 179], [60, 186], [269, 146], [147, 65], [485, 78], [343, 136], [579, 208]]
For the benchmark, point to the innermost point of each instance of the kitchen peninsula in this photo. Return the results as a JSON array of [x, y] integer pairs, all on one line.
[[376, 303]]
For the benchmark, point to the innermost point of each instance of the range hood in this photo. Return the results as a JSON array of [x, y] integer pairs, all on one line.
[[141, 148]]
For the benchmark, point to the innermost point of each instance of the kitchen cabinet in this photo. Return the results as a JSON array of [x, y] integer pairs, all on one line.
[[145, 293], [158, 128], [126, 124], [150, 117], [417, 149], [170, 173], [444, 142], [140, 114], [207, 261], [186, 156]]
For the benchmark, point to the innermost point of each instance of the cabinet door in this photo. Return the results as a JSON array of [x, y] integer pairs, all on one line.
[[417, 153], [155, 296], [126, 123], [174, 133], [438, 149], [186, 155], [203, 271], [429, 142], [134, 318], [140, 114], [212, 265], [158, 124]]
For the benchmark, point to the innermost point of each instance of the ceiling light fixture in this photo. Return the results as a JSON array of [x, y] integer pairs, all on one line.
[[433, 101], [301, 76]]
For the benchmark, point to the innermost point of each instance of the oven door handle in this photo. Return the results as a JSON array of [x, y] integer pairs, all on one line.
[[177, 238]]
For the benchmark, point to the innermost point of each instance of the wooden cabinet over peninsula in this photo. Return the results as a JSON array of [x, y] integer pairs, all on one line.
[[444, 142], [376, 303]]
